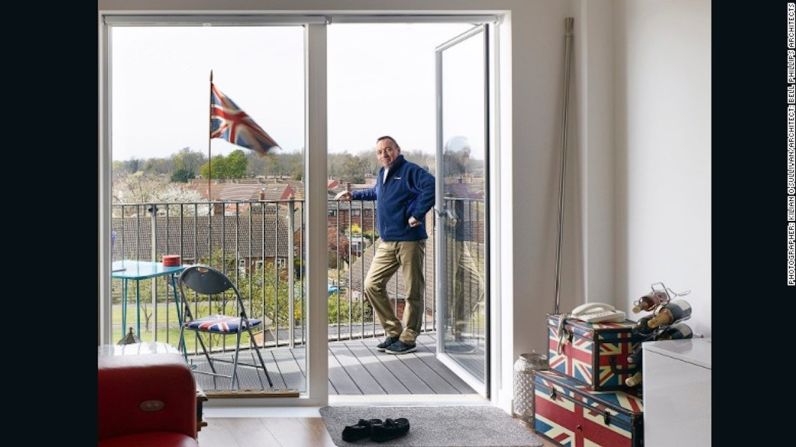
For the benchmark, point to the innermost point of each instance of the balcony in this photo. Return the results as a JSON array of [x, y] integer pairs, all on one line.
[[355, 368], [258, 244]]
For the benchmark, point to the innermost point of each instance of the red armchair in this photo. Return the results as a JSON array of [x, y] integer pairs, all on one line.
[[146, 400]]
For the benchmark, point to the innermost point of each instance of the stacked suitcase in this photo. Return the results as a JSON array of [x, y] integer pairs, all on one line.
[[582, 400]]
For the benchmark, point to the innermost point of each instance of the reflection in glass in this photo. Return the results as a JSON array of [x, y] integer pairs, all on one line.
[[464, 328], [464, 195]]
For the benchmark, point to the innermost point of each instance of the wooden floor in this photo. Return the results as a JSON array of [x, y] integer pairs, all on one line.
[[355, 368], [253, 432], [262, 432]]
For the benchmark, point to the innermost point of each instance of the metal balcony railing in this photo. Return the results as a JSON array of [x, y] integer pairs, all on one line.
[[256, 243], [259, 245]]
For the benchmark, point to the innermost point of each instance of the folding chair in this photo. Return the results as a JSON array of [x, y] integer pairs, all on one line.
[[208, 281]]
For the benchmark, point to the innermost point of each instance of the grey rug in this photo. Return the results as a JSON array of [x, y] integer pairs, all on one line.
[[474, 426]]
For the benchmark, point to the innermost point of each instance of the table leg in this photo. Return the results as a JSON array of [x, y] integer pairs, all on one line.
[[181, 341], [124, 307], [138, 307]]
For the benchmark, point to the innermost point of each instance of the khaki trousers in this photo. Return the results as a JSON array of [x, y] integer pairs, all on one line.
[[408, 256], [467, 288]]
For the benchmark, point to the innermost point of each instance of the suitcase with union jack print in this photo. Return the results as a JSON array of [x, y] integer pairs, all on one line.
[[593, 353], [571, 414]]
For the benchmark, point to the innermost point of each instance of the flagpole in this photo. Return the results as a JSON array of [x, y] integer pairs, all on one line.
[[209, 131]]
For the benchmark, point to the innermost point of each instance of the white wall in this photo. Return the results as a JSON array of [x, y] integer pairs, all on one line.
[[595, 150], [662, 124]]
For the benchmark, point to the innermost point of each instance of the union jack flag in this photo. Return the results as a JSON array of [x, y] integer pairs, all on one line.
[[595, 354], [229, 122], [574, 416], [576, 358], [614, 350]]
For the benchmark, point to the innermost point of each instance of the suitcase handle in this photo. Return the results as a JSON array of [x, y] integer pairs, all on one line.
[[563, 334], [554, 395]]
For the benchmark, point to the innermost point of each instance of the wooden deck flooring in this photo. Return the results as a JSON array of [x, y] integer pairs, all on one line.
[[355, 368]]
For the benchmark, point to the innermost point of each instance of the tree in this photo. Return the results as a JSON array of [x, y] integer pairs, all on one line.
[[186, 165], [218, 167], [354, 169], [337, 246], [456, 163], [146, 188], [351, 168], [133, 165], [257, 164], [279, 164], [231, 166], [182, 175], [161, 166], [236, 164]]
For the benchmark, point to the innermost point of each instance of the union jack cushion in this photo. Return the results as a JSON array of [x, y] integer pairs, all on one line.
[[220, 323]]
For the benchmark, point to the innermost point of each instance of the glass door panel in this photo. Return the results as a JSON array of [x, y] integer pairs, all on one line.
[[247, 221], [462, 148]]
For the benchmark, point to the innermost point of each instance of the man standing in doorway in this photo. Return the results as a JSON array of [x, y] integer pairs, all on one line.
[[404, 192]]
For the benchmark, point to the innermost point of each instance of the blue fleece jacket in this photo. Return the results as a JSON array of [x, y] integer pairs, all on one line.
[[408, 191]]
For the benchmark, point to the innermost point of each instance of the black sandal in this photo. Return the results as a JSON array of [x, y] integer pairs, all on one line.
[[360, 430], [390, 429]]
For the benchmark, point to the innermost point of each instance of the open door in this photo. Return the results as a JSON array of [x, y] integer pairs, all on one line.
[[461, 206]]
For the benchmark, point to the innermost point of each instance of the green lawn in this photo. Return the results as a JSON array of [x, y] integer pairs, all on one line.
[[168, 331]]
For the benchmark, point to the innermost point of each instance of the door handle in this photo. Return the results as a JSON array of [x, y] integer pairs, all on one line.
[[445, 212]]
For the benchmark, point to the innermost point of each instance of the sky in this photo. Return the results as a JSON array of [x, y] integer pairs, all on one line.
[[381, 80]]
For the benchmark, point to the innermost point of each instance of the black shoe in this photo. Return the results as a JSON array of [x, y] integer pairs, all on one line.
[[400, 347], [390, 429], [387, 342], [359, 431]]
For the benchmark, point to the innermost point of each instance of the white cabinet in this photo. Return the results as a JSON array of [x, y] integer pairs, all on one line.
[[677, 393]]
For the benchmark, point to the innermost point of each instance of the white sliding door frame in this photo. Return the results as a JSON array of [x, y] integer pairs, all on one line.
[[314, 171], [315, 25]]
